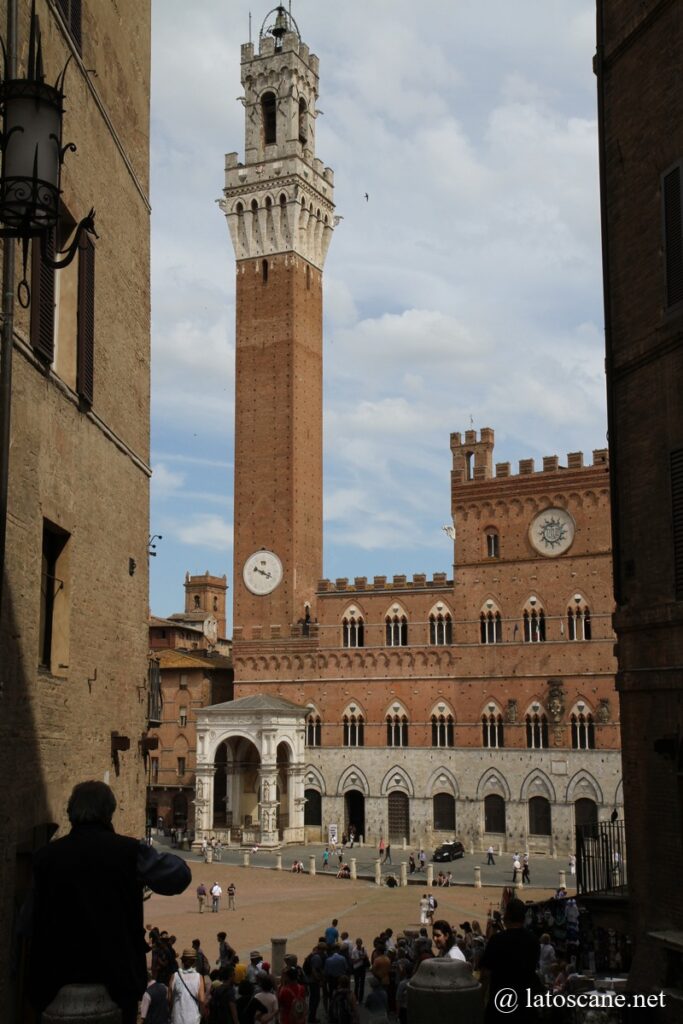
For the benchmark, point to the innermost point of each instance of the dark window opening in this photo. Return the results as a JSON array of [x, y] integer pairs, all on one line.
[[303, 122], [440, 630], [353, 632], [492, 730], [444, 812], [443, 731], [536, 732], [490, 628], [264, 271], [396, 631], [540, 821], [313, 731], [534, 626], [494, 814], [54, 542], [583, 732], [397, 731], [492, 544], [354, 731], [269, 114]]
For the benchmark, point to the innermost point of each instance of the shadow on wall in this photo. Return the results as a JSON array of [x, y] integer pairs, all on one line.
[[24, 816]]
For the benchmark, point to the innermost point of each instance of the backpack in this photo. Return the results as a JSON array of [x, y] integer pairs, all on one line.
[[435, 903], [340, 1009], [298, 1010]]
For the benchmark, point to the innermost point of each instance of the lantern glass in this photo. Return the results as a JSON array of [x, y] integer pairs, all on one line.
[[29, 198]]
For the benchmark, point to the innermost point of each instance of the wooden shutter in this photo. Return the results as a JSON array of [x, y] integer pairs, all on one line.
[[673, 235], [677, 516], [43, 300], [85, 369]]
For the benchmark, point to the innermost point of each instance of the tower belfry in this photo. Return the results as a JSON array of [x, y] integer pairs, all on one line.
[[280, 212]]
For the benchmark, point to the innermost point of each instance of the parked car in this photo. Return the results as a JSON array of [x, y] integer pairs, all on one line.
[[449, 851]]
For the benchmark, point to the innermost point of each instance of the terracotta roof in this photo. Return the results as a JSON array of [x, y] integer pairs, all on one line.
[[171, 624], [173, 658]]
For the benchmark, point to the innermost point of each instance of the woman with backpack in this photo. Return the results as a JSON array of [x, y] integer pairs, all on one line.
[[360, 961], [186, 991], [291, 997], [343, 1004]]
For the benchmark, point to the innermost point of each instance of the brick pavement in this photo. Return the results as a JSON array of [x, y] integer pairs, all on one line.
[[277, 904]]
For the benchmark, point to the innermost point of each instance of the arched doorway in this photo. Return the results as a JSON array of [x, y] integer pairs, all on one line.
[[444, 812], [399, 816], [354, 811], [180, 810], [222, 814], [283, 788], [494, 814], [313, 808], [586, 817]]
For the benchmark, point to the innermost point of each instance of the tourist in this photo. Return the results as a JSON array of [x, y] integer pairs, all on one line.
[[201, 896], [423, 860], [411, 864], [326, 858], [546, 960], [432, 907], [225, 950], [267, 1008], [572, 864], [387, 853], [292, 964], [154, 1008], [87, 884], [232, 891], [205, 850], [334, 968], [509, 962], [313, 971], [201, 963], [222, 1001], [424, 909], [332, 933], [255, 967], [216, 893], [376, 1003], [444, 940], [360, 962], [489, 856], [291, 997], [186, 991], [343, 1005], [449, 879], [218, 850], [381, 848]]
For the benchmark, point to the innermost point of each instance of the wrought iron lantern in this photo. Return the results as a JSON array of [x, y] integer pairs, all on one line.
[[32, 158]]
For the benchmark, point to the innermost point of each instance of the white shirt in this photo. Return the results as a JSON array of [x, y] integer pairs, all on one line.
[[455, 953], [216, 890]]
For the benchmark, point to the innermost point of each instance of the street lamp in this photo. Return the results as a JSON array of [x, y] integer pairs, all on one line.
[[32, 158]]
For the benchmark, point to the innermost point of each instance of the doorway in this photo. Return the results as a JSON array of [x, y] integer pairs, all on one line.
[[399, 817], [354, 811]]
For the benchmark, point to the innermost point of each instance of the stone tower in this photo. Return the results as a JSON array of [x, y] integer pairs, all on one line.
[[280, 212], [207, 594]]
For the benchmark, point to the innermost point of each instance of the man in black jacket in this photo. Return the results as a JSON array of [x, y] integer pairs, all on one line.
[[88, 896]]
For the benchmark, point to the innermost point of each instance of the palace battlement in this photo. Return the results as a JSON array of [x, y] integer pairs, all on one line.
[[382, 583], [473, 460]]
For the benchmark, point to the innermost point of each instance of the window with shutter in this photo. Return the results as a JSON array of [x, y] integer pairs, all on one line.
[[673, 235], [43, 301], [677, 516], [71, 12], [86, 320]]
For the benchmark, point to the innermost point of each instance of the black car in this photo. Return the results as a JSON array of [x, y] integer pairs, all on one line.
[[449, 851]]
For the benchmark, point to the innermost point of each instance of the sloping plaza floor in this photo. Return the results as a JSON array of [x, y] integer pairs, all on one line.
[[298, 907]]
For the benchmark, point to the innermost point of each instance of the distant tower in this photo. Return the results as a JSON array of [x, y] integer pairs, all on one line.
[[207, 594], [280, 211]]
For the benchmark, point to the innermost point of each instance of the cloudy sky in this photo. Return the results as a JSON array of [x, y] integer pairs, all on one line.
[[467, 290]]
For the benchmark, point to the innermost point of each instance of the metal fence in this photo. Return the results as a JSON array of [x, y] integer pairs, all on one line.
[[601, 858]]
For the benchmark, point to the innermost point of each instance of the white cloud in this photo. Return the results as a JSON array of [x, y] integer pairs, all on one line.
[[203, 530]]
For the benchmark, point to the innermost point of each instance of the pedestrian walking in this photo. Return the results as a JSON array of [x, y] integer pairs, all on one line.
[[216, 893], [232, 891], [205, 850], [423, 860], [525, 872], [201, 896], [572, 864], [218, 850], [516, 868], [387, 853], [326, 858], [381, 848], [187, 991], [489, 856], [424, 909]]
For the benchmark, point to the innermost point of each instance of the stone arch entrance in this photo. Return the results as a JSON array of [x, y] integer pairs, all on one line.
[[354, 811], [250, 771], [399, 816]]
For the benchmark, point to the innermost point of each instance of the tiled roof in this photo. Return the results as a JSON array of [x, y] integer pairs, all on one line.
[[172, 658], [259, 702]]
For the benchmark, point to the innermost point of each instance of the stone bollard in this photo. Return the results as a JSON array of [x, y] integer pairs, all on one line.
[[360, 841], [278, 862], [405, 843], [430, 874], [444, 990], [477, 877], [517, 890], [278, 949], [82, 1004], [311, 865], [208, 856], [245, 859], [378, 872], [563, 880], [404, 873], [354, 873]]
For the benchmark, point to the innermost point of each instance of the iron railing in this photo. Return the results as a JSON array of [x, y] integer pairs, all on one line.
[[601, 858]]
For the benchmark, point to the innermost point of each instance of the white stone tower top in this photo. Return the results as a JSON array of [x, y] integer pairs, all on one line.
[[281, 198]]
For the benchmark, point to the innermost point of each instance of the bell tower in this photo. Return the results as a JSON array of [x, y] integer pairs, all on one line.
[[280, 212]]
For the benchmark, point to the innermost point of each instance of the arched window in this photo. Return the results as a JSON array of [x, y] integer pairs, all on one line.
[[269, 115], [536, 731], [583, 730], [443, 731], [534, 622], [215, 604], [264, 271], [492, 729], [396, 630], [353, 630], [313, 730], [494, 813], [579, 620], [397, 730], [196, 601], [539, 816], [354, 730], [444, 812], [440, 629], [303, 122], [490, 624], [492, 538], [313, 808]]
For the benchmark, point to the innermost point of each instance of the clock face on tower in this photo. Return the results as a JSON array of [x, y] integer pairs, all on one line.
[[262, 572], [552, 532]]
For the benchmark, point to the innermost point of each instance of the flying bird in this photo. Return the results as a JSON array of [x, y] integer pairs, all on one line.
[[367, 198]]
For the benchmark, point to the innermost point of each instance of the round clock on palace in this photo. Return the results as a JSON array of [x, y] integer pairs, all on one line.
[[552, 532], [262, 572]]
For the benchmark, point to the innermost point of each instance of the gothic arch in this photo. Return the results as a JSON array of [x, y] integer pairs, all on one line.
[[396, 707], [619, 793], [537, 783], [353, 778], [397, 778], [492, 781], [442, 780], [583, 785], [314, 779]]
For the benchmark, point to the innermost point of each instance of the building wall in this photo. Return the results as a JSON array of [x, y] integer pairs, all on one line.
[[84, 470], [641, 137]]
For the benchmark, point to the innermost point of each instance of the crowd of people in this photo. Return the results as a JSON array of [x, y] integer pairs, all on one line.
[[340, 974]]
